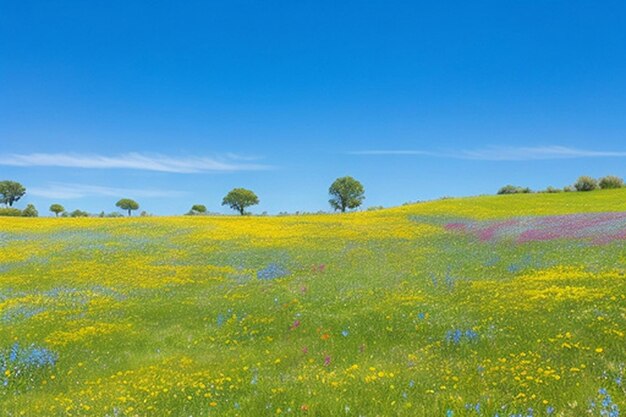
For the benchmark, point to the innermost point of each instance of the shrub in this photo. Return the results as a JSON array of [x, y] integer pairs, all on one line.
[[30, 211], [512, 189], [611, 182], [79, 213], [552, 190], [12, 212], [586, 183]]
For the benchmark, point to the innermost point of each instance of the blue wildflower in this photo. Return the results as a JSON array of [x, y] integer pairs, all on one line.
[[272, 271]]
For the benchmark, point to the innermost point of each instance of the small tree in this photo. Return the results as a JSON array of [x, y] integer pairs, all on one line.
[[611, 182], [586, 183], [198, 209], [346, 193], [56, 209], [10, 192], [127, 204], [239, 199], [30, 211]]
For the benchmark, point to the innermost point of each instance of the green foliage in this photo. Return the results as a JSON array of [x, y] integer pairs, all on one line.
[[552, 190], [10, 212], [611, 182], [513, 189], [56, 209], [586, 183], [127, 204], [198, 209], [78, 213], [346, 193], [30, 211], [10, 192], [239, 199]]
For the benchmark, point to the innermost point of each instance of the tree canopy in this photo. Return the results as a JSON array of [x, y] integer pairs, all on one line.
[[56, 209], [239, 199], [10, 192], [198, 209], [127, 204], [346, 193]]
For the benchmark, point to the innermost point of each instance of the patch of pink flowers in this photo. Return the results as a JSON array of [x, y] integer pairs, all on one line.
[[600, 228]]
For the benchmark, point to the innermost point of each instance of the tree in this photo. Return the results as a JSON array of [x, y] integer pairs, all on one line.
[[611, 182], [30, 211], [586, 183], [198, 209], [56, 209], [127, 204], [10, 192], [346, 193], [239, 199]]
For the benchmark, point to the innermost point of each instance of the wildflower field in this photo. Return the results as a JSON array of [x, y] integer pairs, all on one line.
[[487, 306]]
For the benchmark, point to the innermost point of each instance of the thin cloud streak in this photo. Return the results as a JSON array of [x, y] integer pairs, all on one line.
[[505, 153], [137, 161], [66, 191]]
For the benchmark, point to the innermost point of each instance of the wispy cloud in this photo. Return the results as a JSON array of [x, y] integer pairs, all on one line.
[[505, 153], [139, 161], [66, 191]]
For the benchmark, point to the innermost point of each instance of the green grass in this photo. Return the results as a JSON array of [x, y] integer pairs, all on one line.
[[381, 313]]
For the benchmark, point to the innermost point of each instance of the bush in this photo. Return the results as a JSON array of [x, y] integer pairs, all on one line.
[[30, 211], [512, 189], [611, 182], [552, 190], [586, 183], [79, 213], [12, 212]]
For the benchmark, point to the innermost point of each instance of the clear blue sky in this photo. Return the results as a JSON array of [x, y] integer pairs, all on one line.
[[174, 103]]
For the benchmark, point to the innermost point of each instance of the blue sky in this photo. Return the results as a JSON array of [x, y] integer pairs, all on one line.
[[175, 103]]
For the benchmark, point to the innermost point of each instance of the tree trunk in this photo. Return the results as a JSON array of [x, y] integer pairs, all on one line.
[[128, 212], [241, 211]]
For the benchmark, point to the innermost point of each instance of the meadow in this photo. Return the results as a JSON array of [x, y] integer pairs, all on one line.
[[487, 306]]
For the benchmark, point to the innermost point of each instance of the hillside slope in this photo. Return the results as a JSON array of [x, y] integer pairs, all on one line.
[[483, 306]]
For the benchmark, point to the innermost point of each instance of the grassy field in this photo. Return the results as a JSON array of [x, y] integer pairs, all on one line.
[[486, 306]]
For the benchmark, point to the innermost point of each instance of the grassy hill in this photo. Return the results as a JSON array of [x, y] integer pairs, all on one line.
[[483, 306]]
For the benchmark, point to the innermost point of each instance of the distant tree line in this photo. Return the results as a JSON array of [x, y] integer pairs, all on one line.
[[346, 193], [584, 183]]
